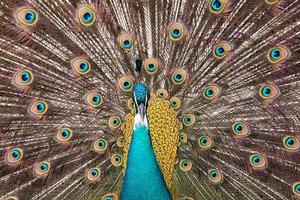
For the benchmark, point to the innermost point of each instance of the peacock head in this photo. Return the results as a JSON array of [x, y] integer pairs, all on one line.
[[140, 96]]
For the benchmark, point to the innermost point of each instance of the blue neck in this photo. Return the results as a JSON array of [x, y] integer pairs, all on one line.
[[143, 178]]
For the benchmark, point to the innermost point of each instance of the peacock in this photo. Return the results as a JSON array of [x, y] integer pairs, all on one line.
[[149, 99]]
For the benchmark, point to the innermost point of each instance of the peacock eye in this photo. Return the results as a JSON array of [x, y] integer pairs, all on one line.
[[296, 189], [93, 174], [114, 122], [217, 6], [100, 145], [268, 91], [183, 138], [14, 155], [179, 76], [151, 66], [258, 162], [81, 66], [162, 93], [116, 160], [94, 100], [205, 142], [42, 168], [27, 17], [125, 41], [125, 84], [86, 16], [23, 78], [240, 129], [176, 31], [291, 143], [64, 135], [215, 176], [175, 102], [120, 141], [278, 54], [110, 196], [211, 91], [189, 119], [185, 165], [221, 50], [38, 108]]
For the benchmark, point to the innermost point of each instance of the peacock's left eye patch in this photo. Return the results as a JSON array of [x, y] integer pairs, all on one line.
[[64, 135], [23, 78], [179, 76], [81, 66], [42, 168], [114, 122], [116, 160], [86, 16], [185, 165], [268, 91], [93, 174], [27, 17], [94, 100], [38, 108], [240, 129], [176, 31], [110, 196], [278, 54], [205, 142], [125, 41], [189, 120], [125, 84], [211, 91], [257, 162], [217, 6], [296, 189], [291, 143], [221, 50], [215, 176], [14, 155]]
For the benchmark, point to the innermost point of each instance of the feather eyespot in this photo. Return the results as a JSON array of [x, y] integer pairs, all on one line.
[[189, 120], [130, 103], [94, 100], [100, 146], [215, 176], [86, 16], [14, 155], [110, 196], [23, 78], [258, 162], [125, 41], [12, 198], [179, 76], [64, 135], [114, 122], [116, 160], [291, 143], [176, 31], [296, 188], [93, 174], [162, 93], [125, 84], [183, 138], [120, 141], [211, 91], [81, 66], [38, 108], [151, 66], [240, 129], [185, 165], [205, 142], [27, 17], [278, 54], [217, 6], [268, 91], [175, 102], [42, 168], [221, 50], [272, 2]]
